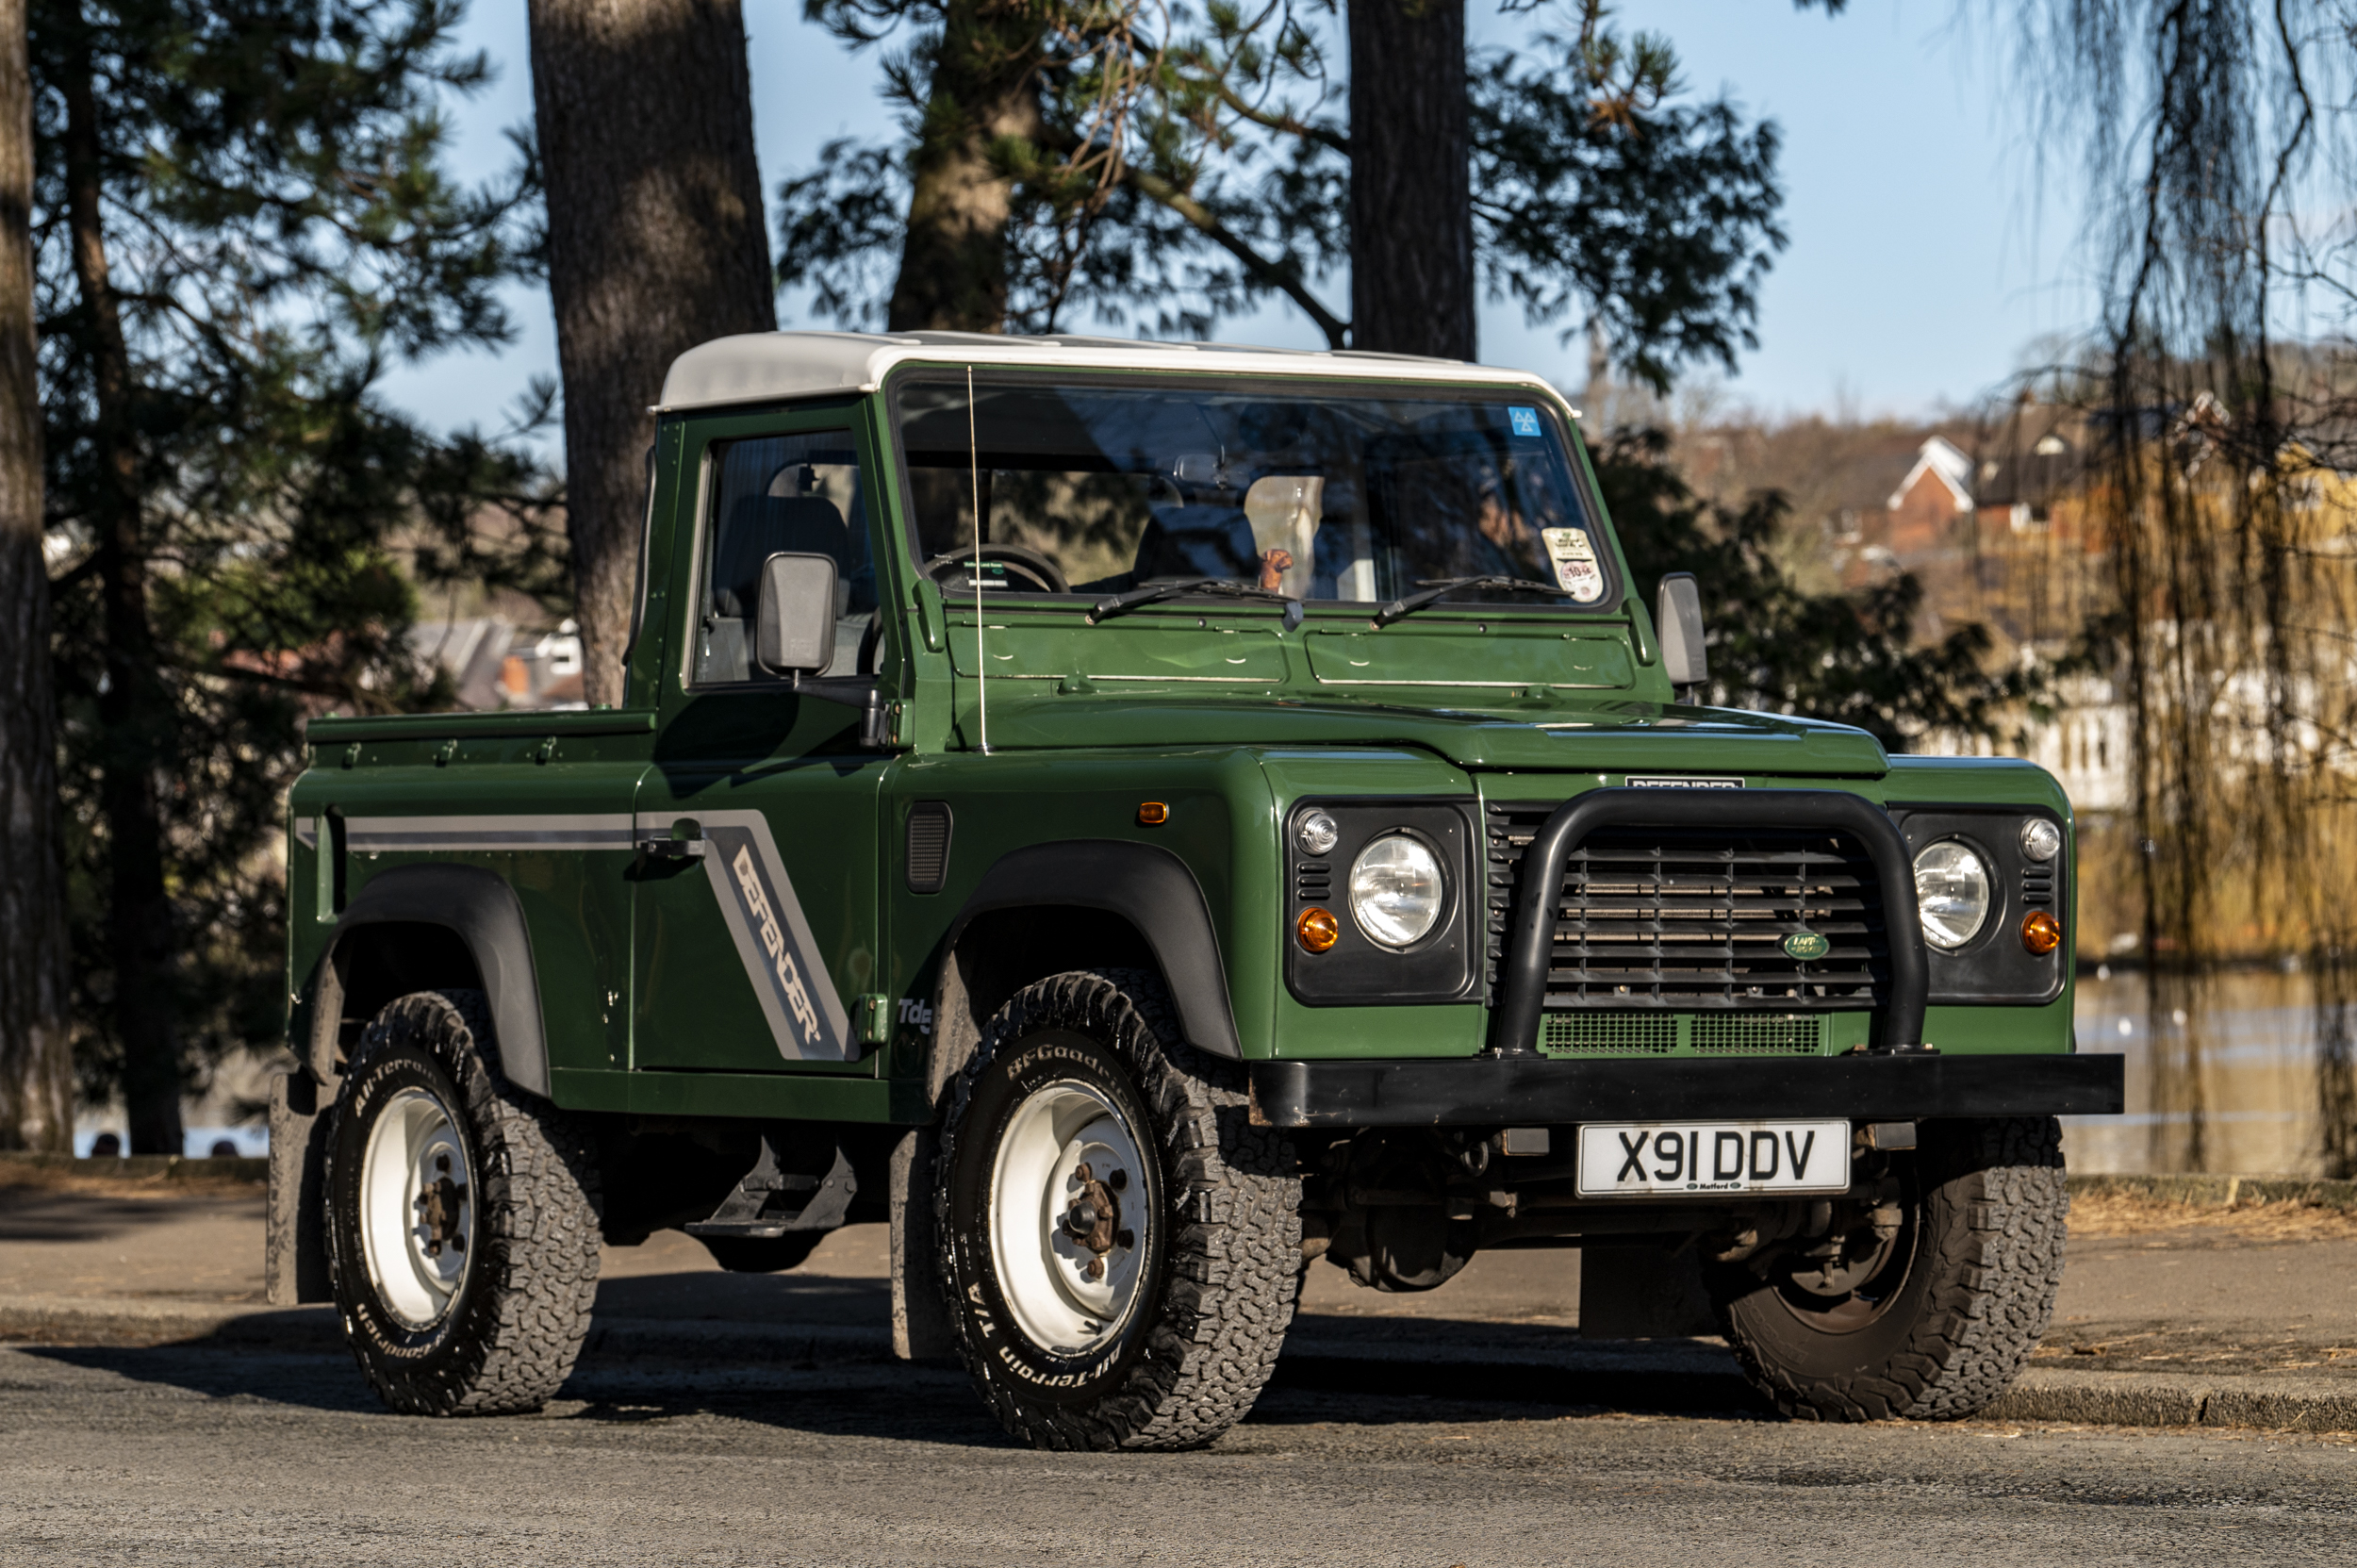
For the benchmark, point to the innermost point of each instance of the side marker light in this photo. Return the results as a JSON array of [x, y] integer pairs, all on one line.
[[2041, 934], [1317, 930], [1153, 814]]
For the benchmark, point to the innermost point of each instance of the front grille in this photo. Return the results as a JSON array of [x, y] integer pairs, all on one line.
[[1695, 921]]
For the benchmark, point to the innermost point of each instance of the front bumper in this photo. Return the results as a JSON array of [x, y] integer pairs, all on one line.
[[1536, 1091]]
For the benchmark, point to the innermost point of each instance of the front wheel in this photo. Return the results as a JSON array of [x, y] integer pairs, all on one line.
[[462, 1220], [1121, 1249], [1929, 1314]]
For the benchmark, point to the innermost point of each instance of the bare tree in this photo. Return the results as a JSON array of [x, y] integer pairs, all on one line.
[[35, 1054], [656, 244], [1412, 224]]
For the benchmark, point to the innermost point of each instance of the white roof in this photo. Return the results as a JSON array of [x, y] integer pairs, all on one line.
[[764, 366], [1942, 461]]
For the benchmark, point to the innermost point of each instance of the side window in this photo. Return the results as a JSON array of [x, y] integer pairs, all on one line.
[[799, 494]]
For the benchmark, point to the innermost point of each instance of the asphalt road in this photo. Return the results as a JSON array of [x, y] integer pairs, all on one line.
[[208, 1457]]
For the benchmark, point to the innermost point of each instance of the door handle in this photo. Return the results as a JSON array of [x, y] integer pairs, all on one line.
[[686, 841]]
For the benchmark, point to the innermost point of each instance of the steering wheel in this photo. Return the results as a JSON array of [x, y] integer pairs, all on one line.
[[1019, 561]]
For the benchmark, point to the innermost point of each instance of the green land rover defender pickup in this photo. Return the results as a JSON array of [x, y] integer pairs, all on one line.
[[1138, 819]]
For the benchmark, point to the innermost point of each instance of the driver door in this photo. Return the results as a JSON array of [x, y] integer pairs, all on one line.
[[755, 907]]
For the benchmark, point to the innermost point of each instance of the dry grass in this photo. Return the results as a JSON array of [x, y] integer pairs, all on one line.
[[2130, 1214]]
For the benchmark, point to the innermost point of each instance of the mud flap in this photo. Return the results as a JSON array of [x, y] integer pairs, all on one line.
[[296, 1250], [921, 1318]]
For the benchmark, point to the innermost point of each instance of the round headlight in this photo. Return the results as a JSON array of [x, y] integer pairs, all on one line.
[[1316, 833], [2040, 839], [1395, 890], [1952, 892]]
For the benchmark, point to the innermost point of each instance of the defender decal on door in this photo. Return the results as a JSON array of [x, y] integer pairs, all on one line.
[[748, 876]]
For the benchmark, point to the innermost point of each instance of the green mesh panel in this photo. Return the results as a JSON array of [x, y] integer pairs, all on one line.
[[1759, 1034], [1615, 1033]]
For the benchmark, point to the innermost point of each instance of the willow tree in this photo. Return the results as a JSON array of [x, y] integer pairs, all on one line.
[[2220, 139]]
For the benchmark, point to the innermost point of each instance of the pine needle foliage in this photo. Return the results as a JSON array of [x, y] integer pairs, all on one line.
[[1182, 167], [242, 222]]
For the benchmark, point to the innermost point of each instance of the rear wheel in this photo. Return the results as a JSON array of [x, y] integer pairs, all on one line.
[[462, 1219], [1930, 1314], [1121, 1249]]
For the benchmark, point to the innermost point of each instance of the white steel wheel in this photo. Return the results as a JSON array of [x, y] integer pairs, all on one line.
[[416, 1208], [1069, 1217], [462, 1216]]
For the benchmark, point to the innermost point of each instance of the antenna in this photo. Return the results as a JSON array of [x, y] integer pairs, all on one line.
[[981, 668]]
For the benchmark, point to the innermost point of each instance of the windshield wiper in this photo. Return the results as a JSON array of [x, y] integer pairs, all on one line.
[[1154, 593], [1437, 589]]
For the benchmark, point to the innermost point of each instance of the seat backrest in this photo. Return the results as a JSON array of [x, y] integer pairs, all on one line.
[[760, 526]]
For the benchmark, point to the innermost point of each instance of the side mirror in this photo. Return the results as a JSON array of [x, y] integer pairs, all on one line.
[[795, 624], [1678, 619]]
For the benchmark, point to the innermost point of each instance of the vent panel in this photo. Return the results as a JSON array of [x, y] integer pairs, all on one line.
[[929, 845]]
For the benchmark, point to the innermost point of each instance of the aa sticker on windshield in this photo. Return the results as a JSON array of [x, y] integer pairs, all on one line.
[[1576, 568]]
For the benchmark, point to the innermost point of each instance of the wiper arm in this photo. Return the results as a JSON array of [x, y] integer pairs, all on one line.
[[1155, 593], [1437, 589]]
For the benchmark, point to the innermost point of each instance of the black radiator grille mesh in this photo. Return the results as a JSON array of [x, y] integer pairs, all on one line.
[[1694, 920]]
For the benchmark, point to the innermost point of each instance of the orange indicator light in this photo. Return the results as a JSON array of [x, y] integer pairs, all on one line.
[[1153, 814], [2041, 933], [1317, 930]]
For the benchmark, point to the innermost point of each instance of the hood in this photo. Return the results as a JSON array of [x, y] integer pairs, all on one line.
[[1556, 736]]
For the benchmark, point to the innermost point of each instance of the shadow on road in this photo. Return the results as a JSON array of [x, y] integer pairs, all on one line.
[[838, 1391], [29, 1214]]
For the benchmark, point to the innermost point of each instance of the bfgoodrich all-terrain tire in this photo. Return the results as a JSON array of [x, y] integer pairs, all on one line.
[[1951, 1307], [1121, 1247], [462, 1218]]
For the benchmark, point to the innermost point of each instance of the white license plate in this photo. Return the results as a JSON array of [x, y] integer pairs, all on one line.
[[1661, 1159]]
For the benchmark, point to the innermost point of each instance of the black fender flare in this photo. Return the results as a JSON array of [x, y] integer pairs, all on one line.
[[1145, 884], [482, 912]]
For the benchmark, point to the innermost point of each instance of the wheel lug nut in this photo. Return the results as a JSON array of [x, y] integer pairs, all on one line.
[[1096, 1269]]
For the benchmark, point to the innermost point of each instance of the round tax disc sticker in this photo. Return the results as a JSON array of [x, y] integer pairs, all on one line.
[[1574, 557]]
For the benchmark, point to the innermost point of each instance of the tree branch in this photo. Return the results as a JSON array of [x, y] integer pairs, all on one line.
[[1285, 123], [1156, 189]]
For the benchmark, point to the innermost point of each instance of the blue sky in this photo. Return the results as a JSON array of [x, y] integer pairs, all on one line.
[[1920, 269]]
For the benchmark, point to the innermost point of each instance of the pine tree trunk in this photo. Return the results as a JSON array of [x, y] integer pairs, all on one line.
[[1411, 251], [656, 244], [135, 709], [953, 260], [36, 1051]]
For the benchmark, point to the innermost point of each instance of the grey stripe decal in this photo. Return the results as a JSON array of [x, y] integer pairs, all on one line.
[[747, 875], [394, 835], [773, 939]]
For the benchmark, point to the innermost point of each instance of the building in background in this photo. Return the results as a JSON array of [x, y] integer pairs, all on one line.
[[493, 665]]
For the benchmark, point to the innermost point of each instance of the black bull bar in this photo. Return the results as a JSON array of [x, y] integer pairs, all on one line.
[[1511, 1083]]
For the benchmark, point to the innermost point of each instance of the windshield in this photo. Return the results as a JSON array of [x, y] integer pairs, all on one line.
[[1309, 491]]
